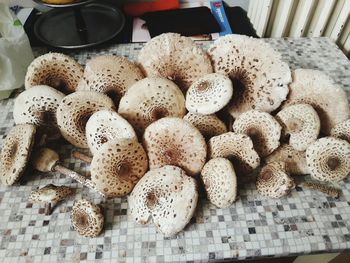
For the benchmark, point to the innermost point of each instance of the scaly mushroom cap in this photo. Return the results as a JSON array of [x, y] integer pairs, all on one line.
[[174, 57], [111, 75], [117, 166], [262, 128], [295, 161], [15, 153], [328, 159], [220, 182], [208, 125], [87, 218], [50, 193], [106, 125], [55, 70], [317, 89], [273, 181], [342, 130], [167, 195], [260, 77], [238, 148], [75, 110], [209, 94], [174, 141], [301, 123], [149, 100]]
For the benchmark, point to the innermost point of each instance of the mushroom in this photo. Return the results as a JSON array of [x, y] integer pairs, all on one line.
[[208, 125], [55, 70], [342, 130], [328, 159], [107, 125], [317, 89], [262, 128], [238, 148], [323, 188], [111, 75], [209, 94], [87, 218], [273, 181], [50, 195], [15, 152], [38, 106], [301, 123], [260, 77], [174, 141], [75, 110], [151, 99], [167, 195], [174, 57], [220, 182]]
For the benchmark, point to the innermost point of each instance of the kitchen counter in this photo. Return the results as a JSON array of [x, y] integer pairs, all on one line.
[[254, 227]]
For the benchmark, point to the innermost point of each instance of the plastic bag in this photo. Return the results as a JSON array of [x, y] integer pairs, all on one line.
[[15, 52]]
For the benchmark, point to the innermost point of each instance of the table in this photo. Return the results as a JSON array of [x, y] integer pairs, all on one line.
[[254, 227]]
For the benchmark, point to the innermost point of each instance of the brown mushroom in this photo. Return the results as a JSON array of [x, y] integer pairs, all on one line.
[[323, 188], [342, 130]]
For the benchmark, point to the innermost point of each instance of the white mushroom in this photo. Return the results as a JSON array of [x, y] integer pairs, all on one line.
[[342, 130]]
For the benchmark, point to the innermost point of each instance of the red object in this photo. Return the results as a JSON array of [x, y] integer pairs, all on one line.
[[138, 9]]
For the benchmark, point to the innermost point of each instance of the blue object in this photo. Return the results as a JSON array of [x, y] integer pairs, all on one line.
[[217, 7]]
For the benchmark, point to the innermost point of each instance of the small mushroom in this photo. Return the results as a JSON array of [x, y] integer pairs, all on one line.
[[273, 181], [209, 94], [167, 195], [301, 123], [50, 195], [328, 159], [342, 130], [174, 141], [323, 188], [87, 218], [220, 182], [262, 128]]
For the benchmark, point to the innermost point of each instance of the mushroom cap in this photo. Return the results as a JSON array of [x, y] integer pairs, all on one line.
[[75, 110], [87, 218], [295, 161], [208, 125], [149, 100], [260, 77], [302, 123], [15, 152], [55, 70], [273, 181], [238, 148], [342, 130], [319, 90], [106, 125], [220, 182], [328, 159], [175, 57], [167, 195], [50, 193], [209, 94], [44, 159], [117, 166], [262, 128], [174, 141]]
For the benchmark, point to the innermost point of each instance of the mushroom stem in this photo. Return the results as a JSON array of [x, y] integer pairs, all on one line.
[[48, 208], [323, 188], [81, 156]]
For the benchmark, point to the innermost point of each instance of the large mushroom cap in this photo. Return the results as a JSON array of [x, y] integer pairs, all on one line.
[[262, 128], [174, 57], [236, 147], [328, 159], [209, 94], [55, 70], [220, 182], [317, 89], [75, 110], [87, 218], [342, 130], [117, 166], [15, 152], [167, 195], [106, 125], [260, 77], [149, 100], [301, 123], [174, 141]]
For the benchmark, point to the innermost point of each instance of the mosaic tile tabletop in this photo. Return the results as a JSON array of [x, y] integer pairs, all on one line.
[[303, 222]]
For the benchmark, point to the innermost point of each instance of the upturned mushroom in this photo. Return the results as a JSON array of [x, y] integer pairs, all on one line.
[[342, 130], [167, 195]]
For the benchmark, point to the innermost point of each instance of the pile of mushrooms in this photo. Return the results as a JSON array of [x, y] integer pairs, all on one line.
[[179, 119]]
